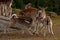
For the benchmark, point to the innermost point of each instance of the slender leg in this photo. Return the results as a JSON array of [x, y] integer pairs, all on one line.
[[34, 25], [42, 29], [49, 29], [23, 31], [45, 31], [37, 27], [52, 31], [28, 31]]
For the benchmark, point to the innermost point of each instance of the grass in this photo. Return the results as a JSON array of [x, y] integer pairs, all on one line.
[[16, 35]]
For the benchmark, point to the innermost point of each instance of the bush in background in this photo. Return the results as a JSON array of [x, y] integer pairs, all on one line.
[[52, 14]]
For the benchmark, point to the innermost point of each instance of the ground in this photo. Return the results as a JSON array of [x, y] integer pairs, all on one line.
[[17, 34]]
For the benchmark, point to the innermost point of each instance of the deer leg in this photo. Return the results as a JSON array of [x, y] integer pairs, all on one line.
[[45, 31], [52, 31], [34, 25], [36, 28], [28, 31]]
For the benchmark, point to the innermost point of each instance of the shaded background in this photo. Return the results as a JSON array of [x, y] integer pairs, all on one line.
[[53, 5]]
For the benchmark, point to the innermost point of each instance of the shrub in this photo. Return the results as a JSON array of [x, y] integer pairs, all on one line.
[[52, 14], [17, 11]]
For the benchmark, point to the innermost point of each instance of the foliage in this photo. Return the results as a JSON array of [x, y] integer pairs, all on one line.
[[52, 14], [17, 11], [53, 5]]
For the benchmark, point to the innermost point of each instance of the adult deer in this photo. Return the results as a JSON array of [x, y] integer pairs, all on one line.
[[31, 13], [27, 19]]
